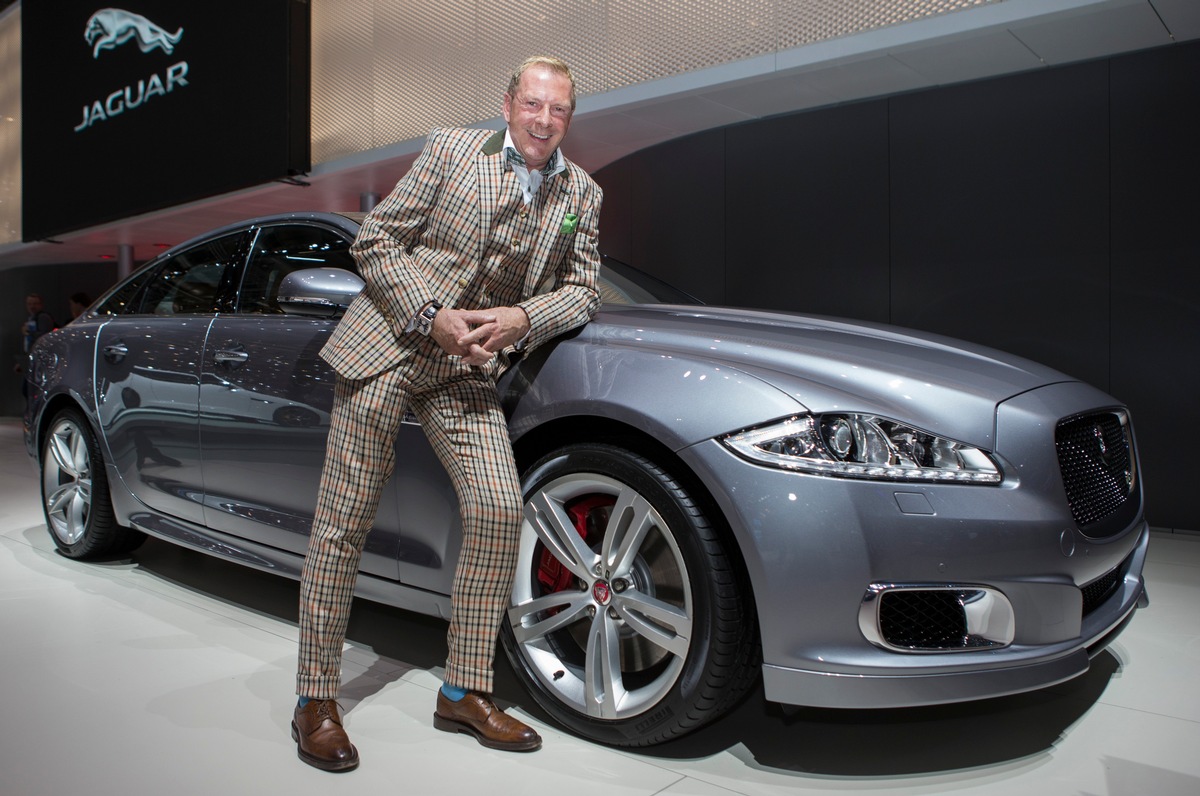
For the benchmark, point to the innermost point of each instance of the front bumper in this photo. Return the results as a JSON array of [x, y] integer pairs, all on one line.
[[960, 677], [815, 546]]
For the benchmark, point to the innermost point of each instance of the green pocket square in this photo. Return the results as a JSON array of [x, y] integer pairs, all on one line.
[[570, 221]]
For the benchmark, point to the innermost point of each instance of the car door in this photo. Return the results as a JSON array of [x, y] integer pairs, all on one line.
[[148, 375], [265, 396]]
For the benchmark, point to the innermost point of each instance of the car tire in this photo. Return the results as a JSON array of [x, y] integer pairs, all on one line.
[[75, 496], [629, 622]]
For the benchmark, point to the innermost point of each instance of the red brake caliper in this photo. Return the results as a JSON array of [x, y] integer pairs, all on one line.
[[551, 573]]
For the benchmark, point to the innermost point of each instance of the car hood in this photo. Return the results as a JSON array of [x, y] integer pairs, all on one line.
[[942, 385]]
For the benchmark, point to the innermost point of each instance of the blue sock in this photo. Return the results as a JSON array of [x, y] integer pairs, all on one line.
[[453, 692], [302, 701]]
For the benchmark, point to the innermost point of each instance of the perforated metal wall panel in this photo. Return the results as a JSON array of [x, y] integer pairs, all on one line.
[[806, 21], [386, 71], [342, 79], [10, 126]]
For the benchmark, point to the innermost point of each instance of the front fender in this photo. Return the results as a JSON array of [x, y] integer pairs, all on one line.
[[582, 377], [61, 369]]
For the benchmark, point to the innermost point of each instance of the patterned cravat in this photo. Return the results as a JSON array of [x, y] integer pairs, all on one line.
[[513, 157], [529, 181]]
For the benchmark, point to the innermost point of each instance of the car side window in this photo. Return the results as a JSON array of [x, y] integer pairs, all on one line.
[[127, 297], [188, 283], [280, 250]]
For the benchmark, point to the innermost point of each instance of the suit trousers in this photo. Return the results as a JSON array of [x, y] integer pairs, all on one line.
[[459, 410]]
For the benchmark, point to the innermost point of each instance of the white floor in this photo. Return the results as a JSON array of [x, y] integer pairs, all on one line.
[[171, 673]]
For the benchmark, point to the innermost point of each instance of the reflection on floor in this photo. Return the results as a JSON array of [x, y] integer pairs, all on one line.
[[171, 672]]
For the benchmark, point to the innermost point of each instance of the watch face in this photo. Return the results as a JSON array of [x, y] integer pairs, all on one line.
[[425, 320]]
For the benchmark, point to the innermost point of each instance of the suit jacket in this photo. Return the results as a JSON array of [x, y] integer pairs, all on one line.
[[425, 242]]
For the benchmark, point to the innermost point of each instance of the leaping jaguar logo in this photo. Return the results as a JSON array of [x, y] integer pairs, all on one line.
[[111, 27]]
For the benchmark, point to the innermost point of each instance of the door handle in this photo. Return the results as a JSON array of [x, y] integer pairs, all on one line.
[[231, 356], [115, 352]]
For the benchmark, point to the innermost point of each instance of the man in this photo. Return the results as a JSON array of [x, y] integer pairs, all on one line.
[[37, 324], [453, 260], [78, 302]]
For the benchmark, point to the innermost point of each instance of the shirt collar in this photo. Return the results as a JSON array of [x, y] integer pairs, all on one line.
[[552, 167]]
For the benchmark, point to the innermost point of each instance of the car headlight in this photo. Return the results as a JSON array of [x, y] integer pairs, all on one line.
[[864, 446]]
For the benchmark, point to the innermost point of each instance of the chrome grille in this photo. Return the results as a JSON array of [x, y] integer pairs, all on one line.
[[1096, 462]]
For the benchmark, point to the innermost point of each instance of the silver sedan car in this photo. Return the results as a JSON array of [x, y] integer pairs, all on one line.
[[862, 515]]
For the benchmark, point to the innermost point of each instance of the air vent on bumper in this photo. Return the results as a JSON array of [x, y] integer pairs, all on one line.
[[925, 618]]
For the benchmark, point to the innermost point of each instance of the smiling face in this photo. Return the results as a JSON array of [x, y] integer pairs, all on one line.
[[539, 114]]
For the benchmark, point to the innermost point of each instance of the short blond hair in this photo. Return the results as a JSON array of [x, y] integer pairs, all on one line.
[[556, 65]]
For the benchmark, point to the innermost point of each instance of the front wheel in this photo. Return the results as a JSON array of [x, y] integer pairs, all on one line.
[[75, 496], [629, 622]]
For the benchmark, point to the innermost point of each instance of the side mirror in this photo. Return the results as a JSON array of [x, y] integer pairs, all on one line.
[[318, 292]]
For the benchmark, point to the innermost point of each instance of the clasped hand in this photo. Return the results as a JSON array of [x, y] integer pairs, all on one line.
[[477, 335]]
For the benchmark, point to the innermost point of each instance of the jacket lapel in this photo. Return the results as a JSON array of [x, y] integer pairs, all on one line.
[[490, 175]]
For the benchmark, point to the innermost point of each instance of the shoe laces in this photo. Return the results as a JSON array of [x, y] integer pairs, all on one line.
[[325, 711]]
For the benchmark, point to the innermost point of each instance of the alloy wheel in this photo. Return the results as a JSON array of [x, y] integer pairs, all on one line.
[[67, 481], [601, 608]]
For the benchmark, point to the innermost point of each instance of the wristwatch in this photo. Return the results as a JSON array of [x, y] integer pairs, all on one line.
[[425, 318]]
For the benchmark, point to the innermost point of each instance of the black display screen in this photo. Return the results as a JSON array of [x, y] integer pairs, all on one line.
[[132, 109]]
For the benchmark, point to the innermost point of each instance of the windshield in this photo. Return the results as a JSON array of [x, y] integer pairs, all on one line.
[[624, 284]]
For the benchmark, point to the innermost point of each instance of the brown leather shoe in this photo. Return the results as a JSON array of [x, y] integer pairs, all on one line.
[[476, 714], [320, 739]]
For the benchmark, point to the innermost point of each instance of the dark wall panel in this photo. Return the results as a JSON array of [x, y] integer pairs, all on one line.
[[807, 212], [673, 197], [1000, 215], [1155, 257], [616, 213]]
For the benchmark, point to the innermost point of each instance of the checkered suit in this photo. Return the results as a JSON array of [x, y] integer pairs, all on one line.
[[440, 235]]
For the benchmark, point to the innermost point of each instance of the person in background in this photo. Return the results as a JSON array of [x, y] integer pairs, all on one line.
[[37, 324], [79, 302]]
